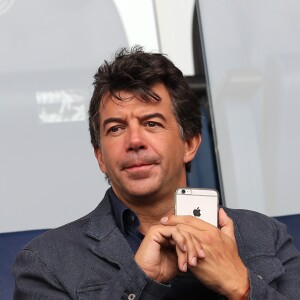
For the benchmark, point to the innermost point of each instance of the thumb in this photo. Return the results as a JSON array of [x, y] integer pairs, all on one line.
[[226, 224]]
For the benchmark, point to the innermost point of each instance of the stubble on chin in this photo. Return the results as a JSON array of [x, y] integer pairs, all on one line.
[[140, 191]]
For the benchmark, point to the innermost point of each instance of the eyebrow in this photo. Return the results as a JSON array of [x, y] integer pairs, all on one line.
[[141, 118], [112, 120], [151, 116]]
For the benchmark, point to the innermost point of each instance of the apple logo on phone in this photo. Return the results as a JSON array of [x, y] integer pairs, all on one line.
[[197, 212]]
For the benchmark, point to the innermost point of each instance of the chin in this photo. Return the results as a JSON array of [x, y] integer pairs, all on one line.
[[142, 190]]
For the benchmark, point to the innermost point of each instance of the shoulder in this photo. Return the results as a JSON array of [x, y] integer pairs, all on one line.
[[71, 235], [62, 247], [57, 248], [243, 218], [68, 241], [59, 236], [49, 256], [67, 253]]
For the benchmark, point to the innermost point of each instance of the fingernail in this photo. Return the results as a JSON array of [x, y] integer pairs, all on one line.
[[201, 253], [194, 261], [184, 267], [164, 220]]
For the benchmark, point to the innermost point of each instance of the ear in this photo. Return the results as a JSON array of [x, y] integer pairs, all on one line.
[[99, 157], [191, 147]]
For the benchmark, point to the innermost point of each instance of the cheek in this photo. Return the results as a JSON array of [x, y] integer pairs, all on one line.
[[110, 158], [100, 159], [177, 148], [174, 156]]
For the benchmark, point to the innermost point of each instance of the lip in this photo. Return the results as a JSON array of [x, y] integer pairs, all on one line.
[[139, 167], [139, 171]]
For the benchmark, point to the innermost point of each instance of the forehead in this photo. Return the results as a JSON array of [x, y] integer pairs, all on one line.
[[131, 102]]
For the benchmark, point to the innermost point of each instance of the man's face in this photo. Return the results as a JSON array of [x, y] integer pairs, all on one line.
[[142, 151]]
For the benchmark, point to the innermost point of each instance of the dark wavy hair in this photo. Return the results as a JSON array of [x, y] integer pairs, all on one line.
[[137, 71]]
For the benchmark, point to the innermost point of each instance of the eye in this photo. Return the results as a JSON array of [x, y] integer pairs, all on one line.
[[114, 129], [152, 124]]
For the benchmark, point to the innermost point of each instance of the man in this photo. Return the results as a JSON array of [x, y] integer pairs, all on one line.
[[145, 129]]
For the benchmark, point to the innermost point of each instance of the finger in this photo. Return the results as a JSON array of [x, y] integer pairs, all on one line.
[[195, 248], [163, 234], [185, 244], [193, 243], [188, 220], [182, 259], [199, 248], [191, 249], [226, 224]]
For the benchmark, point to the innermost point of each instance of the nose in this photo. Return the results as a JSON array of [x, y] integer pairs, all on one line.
[[135, 139]]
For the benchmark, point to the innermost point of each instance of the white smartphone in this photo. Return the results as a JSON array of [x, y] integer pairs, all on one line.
[[200, 203]]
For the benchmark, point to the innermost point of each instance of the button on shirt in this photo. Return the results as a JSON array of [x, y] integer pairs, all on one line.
[[183, 286]]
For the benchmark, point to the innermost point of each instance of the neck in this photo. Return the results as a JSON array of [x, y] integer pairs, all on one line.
[[150, 211], [151, 215]]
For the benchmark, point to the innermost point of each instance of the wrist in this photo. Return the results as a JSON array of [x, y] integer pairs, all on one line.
[[246, 294], [241, 293], [241, 290]]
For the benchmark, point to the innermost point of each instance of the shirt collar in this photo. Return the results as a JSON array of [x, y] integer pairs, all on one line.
[[125, 218]]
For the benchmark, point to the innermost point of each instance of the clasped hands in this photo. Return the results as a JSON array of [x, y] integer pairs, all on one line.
[[185, 242]]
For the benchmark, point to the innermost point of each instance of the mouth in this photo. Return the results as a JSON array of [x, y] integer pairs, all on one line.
[[141, 162], [139, 169]]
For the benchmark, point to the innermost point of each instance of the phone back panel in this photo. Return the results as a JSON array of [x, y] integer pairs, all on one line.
[[200, 203]]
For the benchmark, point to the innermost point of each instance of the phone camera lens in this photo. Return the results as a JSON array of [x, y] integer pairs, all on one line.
[[183, 191]]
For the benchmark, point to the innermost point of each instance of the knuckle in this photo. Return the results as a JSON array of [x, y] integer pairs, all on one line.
[[188, 219], [213, 236], [154, 228], [179, 227], [188, 236], [176, 229], [207, 239]]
